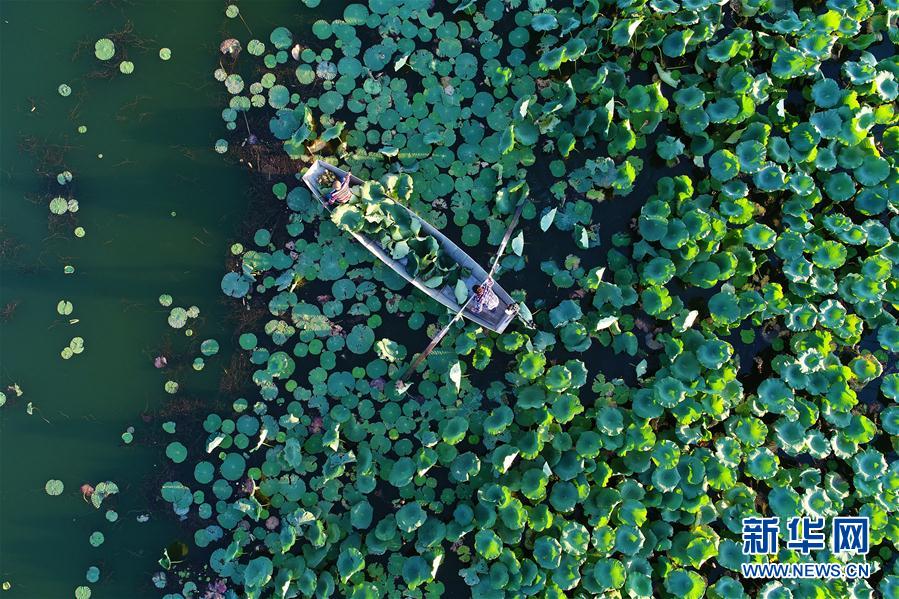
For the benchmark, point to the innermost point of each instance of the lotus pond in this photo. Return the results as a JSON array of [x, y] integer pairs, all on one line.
[[707, 257]]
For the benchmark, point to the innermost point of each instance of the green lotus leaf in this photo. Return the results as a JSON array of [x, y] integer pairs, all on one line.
[[761, 464], [102, 491], [565, 312], [791, 435], [281, 37], [59, 206], [730, 554], [839, 187], [669, 148], [209, 347], [558, 378], [723, 110], [776, 395], [638, 584], [533, 485], [714, 353], [658, 271], [628, 540], [498, 420], [789, 63], [830, 255], [286, 123], [688, 98], [104, 49], [675, 43], [531, 365], [563, 496], [257, 573], [888, 337], [872, 171], [668, 392], [871, 201], [176, 452], [488, 544], [566, 407], [724, 50], [770, 178], [349, 562], [236, 285], [685, 583], [551, 60], [360, 339], [416, 571], [866, 367], [889, 418], [233, 466], [869, 464], [724, 308], [54, 487], [656, 300], [760, 236], [247, 341], [402, 472], [544, 22], [547, 552], [454, 430]]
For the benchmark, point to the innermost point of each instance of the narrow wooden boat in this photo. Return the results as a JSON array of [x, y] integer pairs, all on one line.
[[495, 320]]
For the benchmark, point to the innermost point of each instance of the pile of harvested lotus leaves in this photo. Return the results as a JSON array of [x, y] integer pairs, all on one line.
[[382, 219]]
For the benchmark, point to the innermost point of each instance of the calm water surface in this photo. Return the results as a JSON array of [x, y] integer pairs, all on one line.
[[155, 130]]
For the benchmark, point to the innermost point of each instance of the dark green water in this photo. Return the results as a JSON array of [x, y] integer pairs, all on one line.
[[155, 130]]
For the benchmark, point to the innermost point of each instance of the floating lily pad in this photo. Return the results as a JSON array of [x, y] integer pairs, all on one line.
[[104, 49], [176, 452], [54, 487]]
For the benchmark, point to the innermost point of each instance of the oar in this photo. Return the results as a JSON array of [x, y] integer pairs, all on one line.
[[439, 336], [507, 236], [502, 248], [435, 341]]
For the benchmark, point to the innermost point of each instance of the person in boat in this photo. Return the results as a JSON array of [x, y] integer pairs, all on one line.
[[341, 192], [484, 298]]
